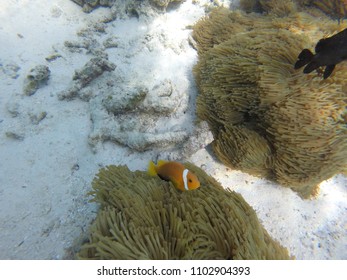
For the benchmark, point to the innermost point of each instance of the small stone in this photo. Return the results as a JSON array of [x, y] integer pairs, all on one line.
[[53, 57], [30, 87], [15, 135], [39, 73], [37, 77], [37, 118]]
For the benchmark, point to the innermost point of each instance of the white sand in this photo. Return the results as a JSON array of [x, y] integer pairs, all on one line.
[[46, 172]]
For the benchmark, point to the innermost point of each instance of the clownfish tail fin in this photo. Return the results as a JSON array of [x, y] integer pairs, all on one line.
[[152, 171]]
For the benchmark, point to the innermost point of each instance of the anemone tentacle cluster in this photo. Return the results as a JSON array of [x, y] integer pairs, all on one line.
[[144, 217], [267, 118]]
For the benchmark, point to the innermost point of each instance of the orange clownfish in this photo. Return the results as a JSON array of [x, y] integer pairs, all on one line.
[[182, 178]]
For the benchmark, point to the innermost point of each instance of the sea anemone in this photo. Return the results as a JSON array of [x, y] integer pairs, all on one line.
[[143, 217], [267, 118], [337, 9]]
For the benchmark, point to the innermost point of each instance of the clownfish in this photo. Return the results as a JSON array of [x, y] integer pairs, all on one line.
[[175, 172]]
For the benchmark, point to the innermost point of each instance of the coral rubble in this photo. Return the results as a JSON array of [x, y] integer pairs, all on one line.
[[164, 3], [267, 118], [90, 5], [131, 5], [36, 78], [137, 87], [89, 72], [128, 113], [208, 223]]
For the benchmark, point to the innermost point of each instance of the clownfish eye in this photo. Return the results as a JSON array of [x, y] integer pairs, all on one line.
[[190, 181]]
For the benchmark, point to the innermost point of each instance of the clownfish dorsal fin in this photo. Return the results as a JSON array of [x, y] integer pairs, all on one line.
[[185, 179], [152, 171], [161, 162]]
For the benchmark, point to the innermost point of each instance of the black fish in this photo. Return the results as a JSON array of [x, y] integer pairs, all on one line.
[[329, 52]]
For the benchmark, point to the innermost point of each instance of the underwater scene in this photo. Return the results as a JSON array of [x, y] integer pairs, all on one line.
[[173, 129]]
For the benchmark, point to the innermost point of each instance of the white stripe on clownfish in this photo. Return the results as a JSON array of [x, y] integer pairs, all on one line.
[[185, 173]]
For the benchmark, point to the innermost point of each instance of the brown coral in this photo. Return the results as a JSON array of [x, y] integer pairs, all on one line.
[[142, 217], [267, 118]]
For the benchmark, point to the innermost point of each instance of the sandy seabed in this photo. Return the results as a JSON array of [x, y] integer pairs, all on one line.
[[50, 152]]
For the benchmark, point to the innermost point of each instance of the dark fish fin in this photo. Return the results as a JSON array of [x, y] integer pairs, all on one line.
[[299, 64], [320, 45], [304, 57], [328, 70], [305, 54], [311, 67]]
